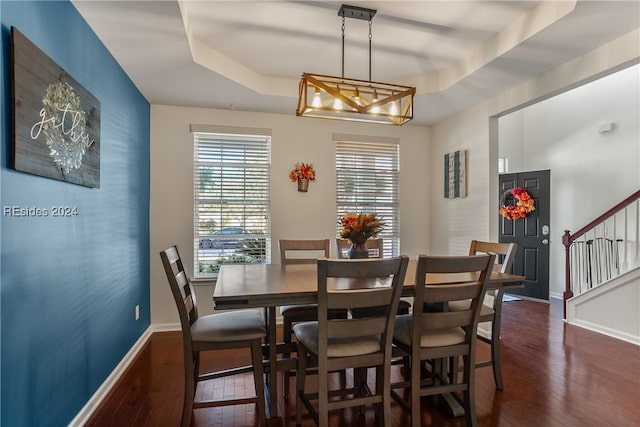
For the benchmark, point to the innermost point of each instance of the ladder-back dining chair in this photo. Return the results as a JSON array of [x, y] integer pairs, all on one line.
[[358, 343], [438, 336], [300, 252], [235, 329], [376, 250], [491, 310]]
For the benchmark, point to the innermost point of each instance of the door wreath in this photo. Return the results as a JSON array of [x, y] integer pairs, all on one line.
[[516, 203]]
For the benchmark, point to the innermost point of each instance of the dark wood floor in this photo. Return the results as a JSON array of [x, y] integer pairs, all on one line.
[[554, 375]]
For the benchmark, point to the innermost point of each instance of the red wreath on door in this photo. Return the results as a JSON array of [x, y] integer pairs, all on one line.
[[516, 204]]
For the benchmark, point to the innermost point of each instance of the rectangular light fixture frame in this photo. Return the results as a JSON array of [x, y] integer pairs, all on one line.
[[362, 100]]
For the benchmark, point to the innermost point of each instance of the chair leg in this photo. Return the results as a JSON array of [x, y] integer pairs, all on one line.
[[196, 370], [190, 383], [383, 387], [469, 393], [495, 345], [415, 392], [323, 394], [437, 372], [285, 385], [359, 380], [258, 379], [406, 365], [287, 327], [454, 369], [301, 374]]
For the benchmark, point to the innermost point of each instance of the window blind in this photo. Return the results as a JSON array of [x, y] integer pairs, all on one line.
[[367, 180], [231, 200]]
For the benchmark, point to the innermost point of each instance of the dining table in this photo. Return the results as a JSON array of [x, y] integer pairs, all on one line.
[[268, 286]]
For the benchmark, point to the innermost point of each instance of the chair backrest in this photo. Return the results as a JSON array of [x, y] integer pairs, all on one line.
[[303, 251], [505, 253], [181, 289], [468, 281], [375, 247], [364, 283]]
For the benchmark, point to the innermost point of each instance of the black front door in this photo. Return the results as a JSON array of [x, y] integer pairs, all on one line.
[[530, 233]]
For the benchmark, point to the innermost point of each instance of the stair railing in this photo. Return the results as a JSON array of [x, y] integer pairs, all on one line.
[[599, 258]]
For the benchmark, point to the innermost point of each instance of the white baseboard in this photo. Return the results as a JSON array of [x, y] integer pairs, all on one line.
[[630, 338], [166, 327], [555, 295], [85, 413]]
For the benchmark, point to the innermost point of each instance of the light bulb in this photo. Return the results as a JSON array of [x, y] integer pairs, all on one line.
[[337, 103], [393, 109], [317, 102], [376, 109]]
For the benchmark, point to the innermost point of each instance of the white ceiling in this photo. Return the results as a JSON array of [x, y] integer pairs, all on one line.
[[249, 55]]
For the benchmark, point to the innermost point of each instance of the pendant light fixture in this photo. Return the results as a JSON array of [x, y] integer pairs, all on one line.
[[340, 98]]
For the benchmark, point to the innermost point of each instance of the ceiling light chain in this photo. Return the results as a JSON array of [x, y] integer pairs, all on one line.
[[341, 98], [343, 27], [369, 49]]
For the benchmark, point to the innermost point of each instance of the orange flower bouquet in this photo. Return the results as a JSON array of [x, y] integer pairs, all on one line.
[[358, 227], [302, 171], [522, 207]]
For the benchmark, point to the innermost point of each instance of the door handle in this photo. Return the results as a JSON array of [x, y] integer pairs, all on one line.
[[545, 242]]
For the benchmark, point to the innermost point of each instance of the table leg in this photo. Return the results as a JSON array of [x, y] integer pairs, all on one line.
[[272, 378]]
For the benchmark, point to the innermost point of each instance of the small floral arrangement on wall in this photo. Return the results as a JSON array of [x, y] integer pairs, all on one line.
[[303, 173]]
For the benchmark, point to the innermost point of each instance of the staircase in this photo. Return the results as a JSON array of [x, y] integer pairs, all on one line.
[[602, 290]]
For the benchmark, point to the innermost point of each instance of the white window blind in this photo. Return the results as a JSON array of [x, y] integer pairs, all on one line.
[[231, 194], [367, 180]]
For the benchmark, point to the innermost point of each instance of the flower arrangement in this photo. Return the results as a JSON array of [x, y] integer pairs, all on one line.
[[523, 206], [302, 171], [358, 227]]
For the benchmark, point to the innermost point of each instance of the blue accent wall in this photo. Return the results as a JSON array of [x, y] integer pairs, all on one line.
[[69, 285]]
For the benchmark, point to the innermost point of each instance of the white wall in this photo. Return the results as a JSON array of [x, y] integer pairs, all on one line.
[[620, 296], [590, 172], [293, 214], [454, 222]]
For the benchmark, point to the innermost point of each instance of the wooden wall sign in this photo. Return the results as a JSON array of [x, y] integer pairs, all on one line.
[[455, 174], [56, 121]]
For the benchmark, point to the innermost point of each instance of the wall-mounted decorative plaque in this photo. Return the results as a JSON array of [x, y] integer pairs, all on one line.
[[455, 174], [56, 121]]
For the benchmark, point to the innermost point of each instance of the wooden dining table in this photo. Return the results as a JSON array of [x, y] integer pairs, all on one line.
[[267, 286]]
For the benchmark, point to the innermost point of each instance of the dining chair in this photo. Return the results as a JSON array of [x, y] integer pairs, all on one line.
[[491, 310], [358, 343], [231, 330], [376, 250], [441, 335], [300, 252]]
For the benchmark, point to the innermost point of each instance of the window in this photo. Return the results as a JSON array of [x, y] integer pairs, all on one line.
[[367, 175], [231, 193], [503, 164]]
